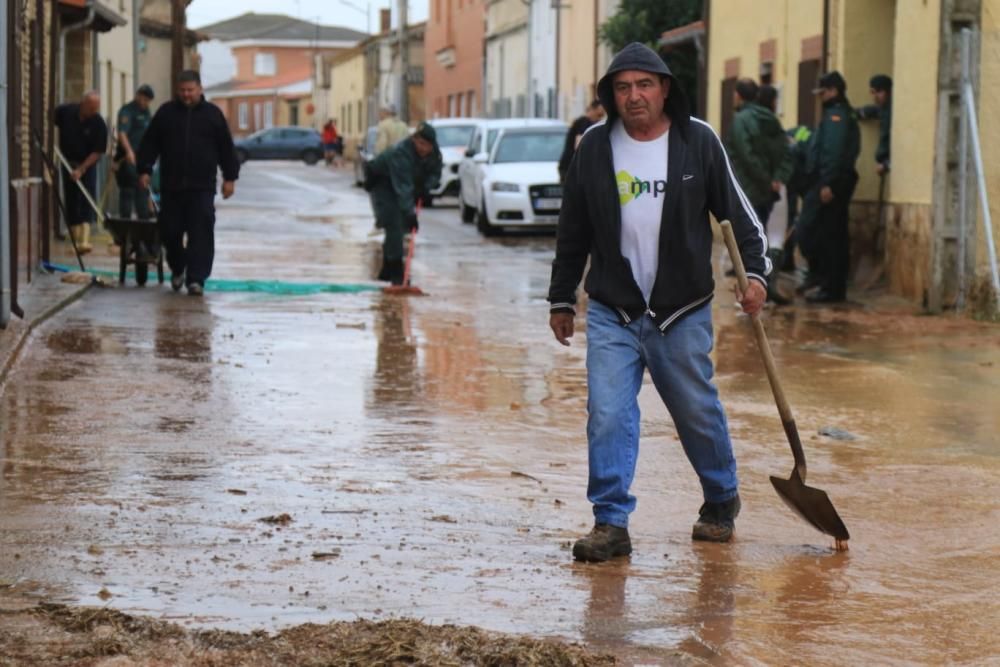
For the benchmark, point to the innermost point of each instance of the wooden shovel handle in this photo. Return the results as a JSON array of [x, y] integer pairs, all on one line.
[[784, 409]]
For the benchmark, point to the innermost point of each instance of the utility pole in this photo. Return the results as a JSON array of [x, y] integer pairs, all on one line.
[[178, 24], [404, 64]]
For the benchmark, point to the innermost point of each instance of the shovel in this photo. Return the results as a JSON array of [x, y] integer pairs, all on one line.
[[810, 503]]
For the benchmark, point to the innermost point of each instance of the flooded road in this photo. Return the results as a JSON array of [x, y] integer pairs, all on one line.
[[430, 456]]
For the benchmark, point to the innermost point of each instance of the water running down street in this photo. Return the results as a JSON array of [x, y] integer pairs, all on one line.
[[431, 457]]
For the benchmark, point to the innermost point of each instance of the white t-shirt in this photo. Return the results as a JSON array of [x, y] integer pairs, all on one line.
[[641, 172]]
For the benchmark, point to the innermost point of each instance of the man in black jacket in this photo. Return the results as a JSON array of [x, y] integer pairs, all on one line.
[[636, 203], [594, 114], [192, 141]]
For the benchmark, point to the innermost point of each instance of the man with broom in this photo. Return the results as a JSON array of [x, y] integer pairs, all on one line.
[[396, 180]]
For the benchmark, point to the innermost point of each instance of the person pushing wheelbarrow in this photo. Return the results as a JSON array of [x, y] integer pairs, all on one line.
[[395, 180]]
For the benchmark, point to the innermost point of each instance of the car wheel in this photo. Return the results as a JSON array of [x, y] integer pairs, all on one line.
[[483, 224], [468, 213], [242, 155], [311, 157]]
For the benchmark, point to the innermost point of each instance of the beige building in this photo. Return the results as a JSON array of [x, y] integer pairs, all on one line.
[[916, 42], [582, 58], [348, 98]]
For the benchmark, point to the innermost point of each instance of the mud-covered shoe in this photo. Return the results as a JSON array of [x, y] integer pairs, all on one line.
[[177, 281], [717, 521], [195, 289], [604, 542]]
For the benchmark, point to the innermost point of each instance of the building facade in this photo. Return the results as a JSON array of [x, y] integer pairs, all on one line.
[[914, 244], [273, 58], [453, 58], [582, 57]]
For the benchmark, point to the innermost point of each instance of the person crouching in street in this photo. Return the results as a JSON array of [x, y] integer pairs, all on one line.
[[192, 141], [133, 120], [649, 242], [395, 179], [83, 139]]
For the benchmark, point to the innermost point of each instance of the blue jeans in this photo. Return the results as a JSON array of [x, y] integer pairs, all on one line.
[[681, 369]]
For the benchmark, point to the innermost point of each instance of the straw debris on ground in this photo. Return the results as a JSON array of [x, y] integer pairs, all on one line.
[[58, 635]]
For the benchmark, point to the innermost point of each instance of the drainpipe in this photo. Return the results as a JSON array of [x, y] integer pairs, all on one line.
[[62, 49], [5, 283], [136, 38], [825, 59]]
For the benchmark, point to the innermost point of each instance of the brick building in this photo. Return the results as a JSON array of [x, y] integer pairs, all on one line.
[[271, 58], [453, 60]]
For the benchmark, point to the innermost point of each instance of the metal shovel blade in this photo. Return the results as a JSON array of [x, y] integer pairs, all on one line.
[[811, 504]]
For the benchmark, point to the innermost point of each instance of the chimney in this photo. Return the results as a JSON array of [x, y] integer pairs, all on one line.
[[385, 20]]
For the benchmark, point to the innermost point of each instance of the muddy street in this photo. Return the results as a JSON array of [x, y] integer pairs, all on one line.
[[254, 460]]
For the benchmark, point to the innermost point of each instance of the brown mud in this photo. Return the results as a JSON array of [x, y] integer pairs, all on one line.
[[426, 459]]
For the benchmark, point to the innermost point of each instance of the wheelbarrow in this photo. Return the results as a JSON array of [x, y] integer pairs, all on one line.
[[127, 234]]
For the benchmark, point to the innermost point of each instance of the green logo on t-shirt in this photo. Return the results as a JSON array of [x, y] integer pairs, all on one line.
[[631, 188]]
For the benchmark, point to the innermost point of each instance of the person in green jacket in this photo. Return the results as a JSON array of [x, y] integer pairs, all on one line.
[[881, 89], [758, 149], [822, 228], [396, 180]]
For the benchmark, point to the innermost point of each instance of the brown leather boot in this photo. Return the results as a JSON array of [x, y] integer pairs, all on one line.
[[604, 542]]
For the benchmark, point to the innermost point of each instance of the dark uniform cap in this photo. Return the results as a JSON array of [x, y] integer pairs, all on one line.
[[881, 82], [146, 91], [831, 80]]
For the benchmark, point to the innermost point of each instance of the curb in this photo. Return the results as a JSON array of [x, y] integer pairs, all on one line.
[[36, 322]]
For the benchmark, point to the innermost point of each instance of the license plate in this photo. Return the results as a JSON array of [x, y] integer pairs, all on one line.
[[549, 204]]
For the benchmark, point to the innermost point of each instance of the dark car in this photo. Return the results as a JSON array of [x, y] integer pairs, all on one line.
[[281, 143], [366, 153]]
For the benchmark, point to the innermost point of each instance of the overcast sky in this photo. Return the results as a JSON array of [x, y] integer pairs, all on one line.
[[327, 12]]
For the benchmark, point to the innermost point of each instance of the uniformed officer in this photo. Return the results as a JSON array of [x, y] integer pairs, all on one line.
[[133, 119], [822, 228]]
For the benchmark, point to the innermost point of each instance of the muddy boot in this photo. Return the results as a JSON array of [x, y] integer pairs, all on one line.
[[76, 231], [604, 542], [85, 246], [717, 521]]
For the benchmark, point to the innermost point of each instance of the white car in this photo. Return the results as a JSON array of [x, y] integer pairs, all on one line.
[[470, 171], [453, 137], [520, 180]]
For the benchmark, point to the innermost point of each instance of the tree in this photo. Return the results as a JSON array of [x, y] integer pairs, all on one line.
[[644, 21]]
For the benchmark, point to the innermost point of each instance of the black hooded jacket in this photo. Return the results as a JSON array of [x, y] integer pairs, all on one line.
[[700, 180], [192, 144]]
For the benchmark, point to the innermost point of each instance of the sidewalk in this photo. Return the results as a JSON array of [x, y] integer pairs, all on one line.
[[43, 298]]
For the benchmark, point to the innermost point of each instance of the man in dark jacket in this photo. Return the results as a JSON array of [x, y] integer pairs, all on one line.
[[822, 229], [758, 149], [881, 89], [192, 141], [83, 139], [635, 203], [594, 113], [396, 179]]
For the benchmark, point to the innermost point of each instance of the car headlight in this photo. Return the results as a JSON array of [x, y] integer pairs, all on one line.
[[505, 187]]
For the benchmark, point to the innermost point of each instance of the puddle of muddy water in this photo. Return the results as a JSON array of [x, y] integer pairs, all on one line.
[[395, 445]]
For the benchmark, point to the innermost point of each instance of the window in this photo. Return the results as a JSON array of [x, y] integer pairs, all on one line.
[[477, 141], [525, 147], [347, 123], [471, 101], [258, 121], [359, 116], [244, 114], [268, 114], [293, 113], [460, 105], [264, 64], [451, 106]]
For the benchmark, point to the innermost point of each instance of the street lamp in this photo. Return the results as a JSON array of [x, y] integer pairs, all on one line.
[[365, 10]]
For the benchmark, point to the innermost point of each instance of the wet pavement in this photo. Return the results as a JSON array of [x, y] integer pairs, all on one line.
[[430, 455]]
